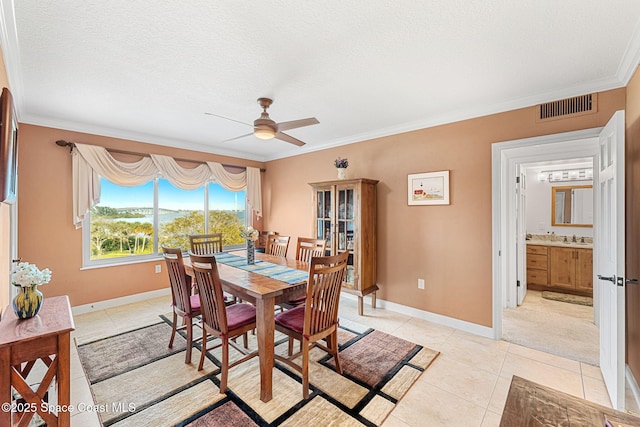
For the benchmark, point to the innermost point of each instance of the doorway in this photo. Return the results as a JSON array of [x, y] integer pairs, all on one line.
[[537, 320]]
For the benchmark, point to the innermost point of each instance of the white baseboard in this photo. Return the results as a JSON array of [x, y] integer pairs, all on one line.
[[439, 319], [633, 385], [101, 305]]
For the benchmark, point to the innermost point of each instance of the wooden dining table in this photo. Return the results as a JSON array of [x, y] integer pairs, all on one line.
[[264, 292]]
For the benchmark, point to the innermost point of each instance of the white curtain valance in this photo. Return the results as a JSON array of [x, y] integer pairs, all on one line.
[[90, 162]]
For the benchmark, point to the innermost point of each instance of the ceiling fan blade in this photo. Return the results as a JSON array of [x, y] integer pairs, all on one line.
[[297, 123], [288, 138], [227, 118], [237, 137]]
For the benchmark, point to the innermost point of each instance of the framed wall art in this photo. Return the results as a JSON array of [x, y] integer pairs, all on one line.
[[431, 188]]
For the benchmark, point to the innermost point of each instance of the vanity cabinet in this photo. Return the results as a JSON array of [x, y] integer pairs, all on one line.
[[537, 265], [560, 269], [345, 216], [571, 268]]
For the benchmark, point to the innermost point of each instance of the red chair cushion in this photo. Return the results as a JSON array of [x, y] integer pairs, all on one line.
[[239, 315], [195, 302], [292, 319]]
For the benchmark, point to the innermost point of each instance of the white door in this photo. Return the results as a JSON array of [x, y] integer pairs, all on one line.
[[521, 245], [609, 247]]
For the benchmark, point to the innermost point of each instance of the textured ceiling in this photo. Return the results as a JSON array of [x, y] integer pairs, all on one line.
[[148, 70]]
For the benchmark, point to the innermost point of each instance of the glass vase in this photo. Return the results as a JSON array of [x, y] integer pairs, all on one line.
[[251, 252], [28, 302]]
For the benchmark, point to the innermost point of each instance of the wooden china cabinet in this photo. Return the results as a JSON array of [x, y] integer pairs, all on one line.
[[345, 216]]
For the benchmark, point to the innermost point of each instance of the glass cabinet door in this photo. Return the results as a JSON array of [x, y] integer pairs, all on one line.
[[346, 228], [324, 217]]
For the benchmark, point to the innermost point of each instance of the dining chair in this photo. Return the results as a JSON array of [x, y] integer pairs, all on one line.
[[307, 248], [261, 243], [277, 245], [184, 305], [203, 244], [317, 319], [218, 319]]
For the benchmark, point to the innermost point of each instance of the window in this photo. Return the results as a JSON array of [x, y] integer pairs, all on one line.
[[131, 224]]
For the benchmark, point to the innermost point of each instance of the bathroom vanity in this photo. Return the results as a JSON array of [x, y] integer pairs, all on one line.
[[560, 267]]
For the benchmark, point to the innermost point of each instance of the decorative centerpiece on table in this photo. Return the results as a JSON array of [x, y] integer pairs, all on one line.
[[251, 235], [341, 165], [29, 300]]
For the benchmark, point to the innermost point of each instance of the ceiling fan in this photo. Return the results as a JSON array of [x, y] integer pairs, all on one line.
[[265, 128]]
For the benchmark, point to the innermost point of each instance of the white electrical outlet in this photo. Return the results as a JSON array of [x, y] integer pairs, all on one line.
[[420, 283], [158, 268]]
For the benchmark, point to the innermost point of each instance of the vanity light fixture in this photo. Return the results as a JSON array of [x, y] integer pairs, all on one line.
[[566, 175]]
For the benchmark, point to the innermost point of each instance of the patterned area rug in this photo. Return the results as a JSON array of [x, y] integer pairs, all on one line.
[[138, 381]]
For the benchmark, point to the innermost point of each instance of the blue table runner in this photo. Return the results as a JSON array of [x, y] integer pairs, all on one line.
[[279, 272]]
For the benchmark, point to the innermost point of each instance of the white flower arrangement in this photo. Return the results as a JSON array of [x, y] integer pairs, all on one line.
[[250, 233], [26, 275]]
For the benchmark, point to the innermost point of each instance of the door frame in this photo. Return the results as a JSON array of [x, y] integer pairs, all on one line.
[[505, 157]]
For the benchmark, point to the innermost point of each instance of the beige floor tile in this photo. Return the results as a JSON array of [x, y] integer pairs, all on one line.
[[424, 333], [542, 373], [428, 405], [499, 395], [81, 393], [484, 356], [591, 371], [85, 419], [392, 421], [491, 419], [549, 359], [462, 380], [596, 391]]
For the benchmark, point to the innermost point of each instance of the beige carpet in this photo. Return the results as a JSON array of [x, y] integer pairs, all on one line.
[[159, 389], [555, 327]]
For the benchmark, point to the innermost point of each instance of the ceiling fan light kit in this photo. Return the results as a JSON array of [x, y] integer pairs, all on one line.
[[265, 128], [263, 131]]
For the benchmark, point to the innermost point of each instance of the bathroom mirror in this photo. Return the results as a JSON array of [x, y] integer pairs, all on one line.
[[572, 206]]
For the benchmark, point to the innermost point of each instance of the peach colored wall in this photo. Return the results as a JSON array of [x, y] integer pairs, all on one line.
[[448, 246], [46, 234], [632, 255], [5, 226]]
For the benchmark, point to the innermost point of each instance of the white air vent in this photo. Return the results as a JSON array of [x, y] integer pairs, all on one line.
[[570, 107]]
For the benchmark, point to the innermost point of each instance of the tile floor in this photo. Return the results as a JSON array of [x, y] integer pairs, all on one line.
[[467, 385]]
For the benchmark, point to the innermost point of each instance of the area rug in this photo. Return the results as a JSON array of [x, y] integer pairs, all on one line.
[[532, 404], [137, 381], [571, 299]]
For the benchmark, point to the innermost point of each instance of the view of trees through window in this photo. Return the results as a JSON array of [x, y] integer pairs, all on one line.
[[123, 223]]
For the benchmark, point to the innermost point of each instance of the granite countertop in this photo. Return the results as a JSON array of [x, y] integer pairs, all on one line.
[[560, 243]]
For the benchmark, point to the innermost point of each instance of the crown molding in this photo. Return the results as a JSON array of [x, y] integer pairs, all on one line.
[[630, 58]]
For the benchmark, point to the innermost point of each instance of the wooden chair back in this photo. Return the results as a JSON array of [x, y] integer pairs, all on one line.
[[180, 281], [277, 245], [212, 302], [204, 244], [307, 248], [326, 275]]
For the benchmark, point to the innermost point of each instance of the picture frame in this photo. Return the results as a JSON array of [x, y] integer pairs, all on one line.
[[8, 148], [430, 188]]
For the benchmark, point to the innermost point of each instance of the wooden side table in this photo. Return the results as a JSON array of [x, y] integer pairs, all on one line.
[[22, 342]]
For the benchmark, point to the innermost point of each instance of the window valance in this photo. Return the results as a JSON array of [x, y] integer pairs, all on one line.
[[90, 162]]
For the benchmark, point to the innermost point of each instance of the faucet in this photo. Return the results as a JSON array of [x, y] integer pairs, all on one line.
[[574, 239], [565, 239], [582, 239]]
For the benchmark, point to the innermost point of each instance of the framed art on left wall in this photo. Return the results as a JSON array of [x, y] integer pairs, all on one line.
[[8, 148]]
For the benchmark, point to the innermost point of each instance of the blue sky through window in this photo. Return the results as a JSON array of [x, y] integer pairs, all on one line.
[[172, 198]]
